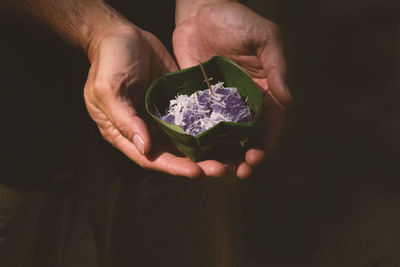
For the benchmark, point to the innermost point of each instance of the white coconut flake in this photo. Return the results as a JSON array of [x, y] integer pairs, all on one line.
[[201, 111]]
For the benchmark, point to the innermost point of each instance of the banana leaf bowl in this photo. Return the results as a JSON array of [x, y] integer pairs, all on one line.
[[224, 137]]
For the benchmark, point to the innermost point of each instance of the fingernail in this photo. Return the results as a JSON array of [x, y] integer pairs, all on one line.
[[288, 92], [138, 141]]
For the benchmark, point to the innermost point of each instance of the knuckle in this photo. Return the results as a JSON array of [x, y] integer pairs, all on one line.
[[106, 136], [100, 91], [123, 128], [273, 31], [274, 27], [103, 89], [142, 164], [192, 173]]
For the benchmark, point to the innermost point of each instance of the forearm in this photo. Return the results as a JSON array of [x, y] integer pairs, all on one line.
[[188, 8], [80, 22]]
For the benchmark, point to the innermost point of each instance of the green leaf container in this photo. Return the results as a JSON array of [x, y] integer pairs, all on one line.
[[225, 137]]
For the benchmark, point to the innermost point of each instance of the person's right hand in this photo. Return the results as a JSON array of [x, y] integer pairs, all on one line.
[[123, 63]]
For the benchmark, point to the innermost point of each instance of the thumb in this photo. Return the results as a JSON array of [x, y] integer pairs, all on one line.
[[115, 115], [117, 119], [126, 121], [277, 85], [274, 65]]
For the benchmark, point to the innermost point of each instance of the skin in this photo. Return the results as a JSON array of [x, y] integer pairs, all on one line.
[[126, 59], [122, 65], [207, 28]]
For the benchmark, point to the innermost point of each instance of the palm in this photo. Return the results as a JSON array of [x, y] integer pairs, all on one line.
[[234, 31], [122, 67], [127, 72], [227, 30]]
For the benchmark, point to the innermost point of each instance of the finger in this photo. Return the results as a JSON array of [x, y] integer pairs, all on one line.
[[160, 160], [274, 64], [254, 156], [243, 171], [275, 118], [189, 60], [124, 118], [165, 62], [119, 111], [212, 168], [173, 165], [185, 58]]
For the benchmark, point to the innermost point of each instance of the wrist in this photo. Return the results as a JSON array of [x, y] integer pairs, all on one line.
[[186, 9], [96, 37], [101, 26]]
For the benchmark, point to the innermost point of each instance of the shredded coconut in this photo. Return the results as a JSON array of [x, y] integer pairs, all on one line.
[[201, 111]]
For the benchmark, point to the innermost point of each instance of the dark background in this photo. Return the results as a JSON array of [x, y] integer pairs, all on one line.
[[330, 191], [328, 195]]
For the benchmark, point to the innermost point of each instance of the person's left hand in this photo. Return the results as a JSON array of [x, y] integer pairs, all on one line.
[[234, 31]]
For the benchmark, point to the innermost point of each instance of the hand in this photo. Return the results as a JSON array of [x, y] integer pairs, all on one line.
[[123, 63], [234, 31]]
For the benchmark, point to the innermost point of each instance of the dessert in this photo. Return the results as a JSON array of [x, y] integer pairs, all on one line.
[[202, 110]]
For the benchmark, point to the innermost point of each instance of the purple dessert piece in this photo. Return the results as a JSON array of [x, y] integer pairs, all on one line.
[[203, 97], [169, 118], [189, 118], [200, 111]]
